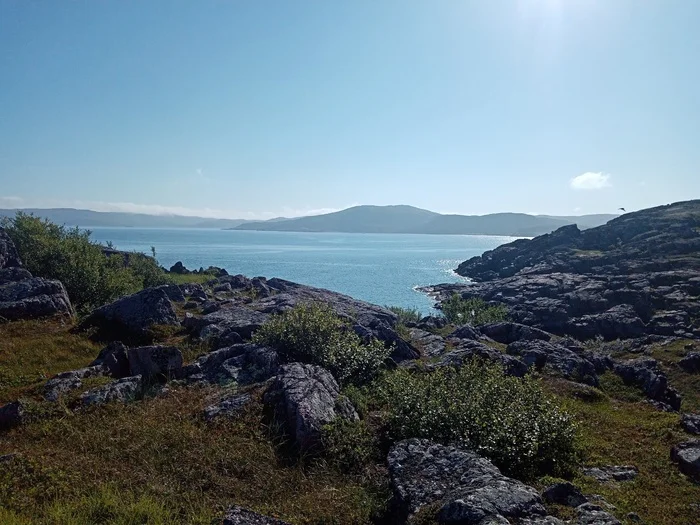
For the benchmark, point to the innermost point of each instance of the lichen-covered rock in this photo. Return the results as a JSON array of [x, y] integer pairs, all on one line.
[[154, 361], [241, 363], [13, 274], [228, 407], [609, 473], [430, 345], [691, 423], [33, 298], [591, 514], [469, 487], [135, 314], [467, 350], [122, 391], [303, 399], [240, 516], [507, 333], [687, 455], [67, 381], [174, 292], [542, 354]]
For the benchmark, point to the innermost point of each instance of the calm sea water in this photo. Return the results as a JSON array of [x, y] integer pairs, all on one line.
[[379, 268]]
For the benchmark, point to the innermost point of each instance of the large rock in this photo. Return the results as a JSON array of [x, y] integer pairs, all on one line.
[[466, 350], [303, 399], [608, 473], [469, 487], [241, 363], [136, 314], [507, 333], [644, 372], [555, 358], [564, 494], [13, 274], [154, 361], [9, 257], [691, 423], [619, 322], [591, 514], [691, 363], [239, 516], [32, 298], [687, 455], [430, 345], [113, 358], [12, 415], [120, 391], [230, 319]]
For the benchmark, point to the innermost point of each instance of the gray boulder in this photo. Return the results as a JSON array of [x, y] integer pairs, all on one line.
[[467, 332], [230, 319], [507, 333], [470, 488], [690, 363], [468, 350], [135, 314], [619, 322], [239, 516], [33, 298], [122, 391], [687, 455], [556, 358], [304, 398], [591, 514], [241, 363], [67, 381], [173, 291], [564, 494], [607, 473], [12, 415], [691, 423], [228, 407], [113, 358], [154, 361], [430, 345]]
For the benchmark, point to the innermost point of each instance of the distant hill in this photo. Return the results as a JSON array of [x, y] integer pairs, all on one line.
[[89, 218], [408, 219]]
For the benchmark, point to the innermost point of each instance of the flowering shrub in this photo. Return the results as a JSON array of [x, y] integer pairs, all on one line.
[[313, 333], [511, 421]]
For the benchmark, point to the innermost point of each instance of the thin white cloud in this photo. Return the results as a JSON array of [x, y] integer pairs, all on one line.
[[11, 202], [591, 180]]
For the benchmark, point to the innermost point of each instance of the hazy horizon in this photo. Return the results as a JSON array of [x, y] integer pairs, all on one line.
[[260, 110]]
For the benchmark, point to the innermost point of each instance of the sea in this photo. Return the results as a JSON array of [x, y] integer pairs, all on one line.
[[384, 269]]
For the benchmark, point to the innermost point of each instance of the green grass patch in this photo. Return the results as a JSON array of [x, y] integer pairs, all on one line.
[[190, 278], [474, 311]]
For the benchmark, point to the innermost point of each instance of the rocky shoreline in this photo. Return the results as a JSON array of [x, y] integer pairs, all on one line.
[[633, 283]]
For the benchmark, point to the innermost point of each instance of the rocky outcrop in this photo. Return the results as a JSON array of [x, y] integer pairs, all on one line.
[[134, 314], [687, 455], [120, 391], [556, 358], [113, 358], [23, 296], [607, 473], [564, 494], [429, 345], [644, 372], [240, 516], [691, 363], [467, 487], [304, 398], [466, 350], [637, 274], [243, 364], [508, 333], [66, 382]]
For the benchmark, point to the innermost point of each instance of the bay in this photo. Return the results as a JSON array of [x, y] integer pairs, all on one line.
[[383, 269]]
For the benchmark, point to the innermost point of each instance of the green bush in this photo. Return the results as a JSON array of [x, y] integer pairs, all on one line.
[[67, 254], [350, 445], [473, 311], [509, 420], [313, 333], [406, 315]]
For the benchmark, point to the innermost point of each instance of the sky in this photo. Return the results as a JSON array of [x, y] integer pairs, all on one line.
[[257, 109]]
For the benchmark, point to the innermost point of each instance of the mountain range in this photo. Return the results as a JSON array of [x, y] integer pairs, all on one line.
[[408, 219], [358, 219]]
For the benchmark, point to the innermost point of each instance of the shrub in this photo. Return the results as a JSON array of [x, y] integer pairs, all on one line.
[[67, 254], [313, 333], [474, 311], [511, 421], [406, 315], [350, 445]]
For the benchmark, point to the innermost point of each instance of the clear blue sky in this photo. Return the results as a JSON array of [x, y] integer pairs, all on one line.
[[260, 108]]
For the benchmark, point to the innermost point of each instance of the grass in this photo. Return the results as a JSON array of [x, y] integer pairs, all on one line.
[[171, 464], [33, 351], [196, 278]]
